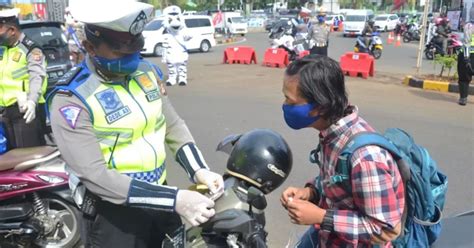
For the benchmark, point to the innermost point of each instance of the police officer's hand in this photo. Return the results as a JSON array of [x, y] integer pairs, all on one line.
[[212, 180], [305, 194], [194, 207], [29, 108]]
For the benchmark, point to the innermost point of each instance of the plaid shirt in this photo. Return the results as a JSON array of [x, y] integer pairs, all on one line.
[[377, 198]]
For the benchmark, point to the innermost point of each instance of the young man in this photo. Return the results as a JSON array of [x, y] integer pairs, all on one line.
[[315, 97], [22, 83], [112, 119]]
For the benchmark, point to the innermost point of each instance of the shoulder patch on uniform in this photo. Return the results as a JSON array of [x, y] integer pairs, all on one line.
[[67, 78], [70, 113], [28, 43], [37, 54]]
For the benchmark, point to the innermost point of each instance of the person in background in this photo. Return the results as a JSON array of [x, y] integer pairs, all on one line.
[[466, 62], [22, 85]]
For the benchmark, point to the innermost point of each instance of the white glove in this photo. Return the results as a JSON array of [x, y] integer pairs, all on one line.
[[194, 207], [212, 180], [29, 108]]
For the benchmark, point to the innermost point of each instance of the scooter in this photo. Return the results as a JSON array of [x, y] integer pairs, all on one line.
[[375, 45], [434, 47], [36, 209], [413, 33]]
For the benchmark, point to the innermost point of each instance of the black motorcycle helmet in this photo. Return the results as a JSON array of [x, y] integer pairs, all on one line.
[[262, 158]]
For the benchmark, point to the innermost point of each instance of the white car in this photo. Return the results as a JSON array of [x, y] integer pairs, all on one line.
[[386, 22], [199, 27]]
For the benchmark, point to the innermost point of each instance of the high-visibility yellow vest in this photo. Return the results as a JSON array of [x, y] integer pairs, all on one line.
[[472, 44], [14, 75], [128, 121]]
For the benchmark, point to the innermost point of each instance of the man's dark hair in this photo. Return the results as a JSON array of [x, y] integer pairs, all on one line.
[[321, 81]]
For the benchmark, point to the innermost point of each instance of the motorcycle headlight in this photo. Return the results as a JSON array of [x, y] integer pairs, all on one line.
[[51, 178]]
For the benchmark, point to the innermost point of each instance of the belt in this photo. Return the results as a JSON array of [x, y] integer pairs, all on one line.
[[320, 44]]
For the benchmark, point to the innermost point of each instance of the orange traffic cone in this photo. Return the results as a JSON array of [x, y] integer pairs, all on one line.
[[390, 38], [398, 43]]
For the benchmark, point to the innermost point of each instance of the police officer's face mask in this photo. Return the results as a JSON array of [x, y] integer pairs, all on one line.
[[125, 65]]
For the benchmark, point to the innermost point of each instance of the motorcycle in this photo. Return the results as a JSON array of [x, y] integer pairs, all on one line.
[[375, 45], [413, 33], [283, 35], [240, 213], [433, 47], [36, 209]]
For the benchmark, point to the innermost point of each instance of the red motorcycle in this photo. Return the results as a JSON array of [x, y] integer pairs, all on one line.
[[36, 207], [436, 47]]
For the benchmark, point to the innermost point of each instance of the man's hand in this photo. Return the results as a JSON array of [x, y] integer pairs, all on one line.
[[305, 194], [304, 212], [214, 182], [194, 207], [29, 108]]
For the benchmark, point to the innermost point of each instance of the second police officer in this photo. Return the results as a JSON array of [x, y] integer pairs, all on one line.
[[319, 35], [111, 118]]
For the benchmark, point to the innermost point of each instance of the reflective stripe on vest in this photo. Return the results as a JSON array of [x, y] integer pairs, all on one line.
[[129, 123], [14, 75]]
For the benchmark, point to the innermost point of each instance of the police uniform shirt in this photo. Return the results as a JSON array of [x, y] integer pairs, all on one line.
[[319, 33], [36, 70], [80, 147]]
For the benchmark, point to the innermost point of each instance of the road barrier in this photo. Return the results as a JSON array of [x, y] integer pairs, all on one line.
[[275, 57], [240, 55], [357, 63]]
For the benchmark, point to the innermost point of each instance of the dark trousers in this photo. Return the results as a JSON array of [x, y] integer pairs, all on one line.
[[19, 134], [118, 226], [465, 74], [319, 50]]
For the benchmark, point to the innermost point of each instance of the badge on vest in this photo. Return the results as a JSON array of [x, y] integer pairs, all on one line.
[[16, 56], [112, 106], [147, 85]]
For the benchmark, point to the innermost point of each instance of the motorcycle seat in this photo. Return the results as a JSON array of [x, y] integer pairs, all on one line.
[[20, 159]]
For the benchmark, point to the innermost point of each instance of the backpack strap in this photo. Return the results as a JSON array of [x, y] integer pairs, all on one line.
[[359, 140]]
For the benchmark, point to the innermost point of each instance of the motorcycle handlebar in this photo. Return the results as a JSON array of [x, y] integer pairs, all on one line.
[[257, 241]]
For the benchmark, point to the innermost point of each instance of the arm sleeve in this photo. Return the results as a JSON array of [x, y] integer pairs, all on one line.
[[378, 196], [37, 73]]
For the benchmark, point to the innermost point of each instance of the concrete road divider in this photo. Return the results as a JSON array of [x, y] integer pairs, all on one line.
[[442, 86]]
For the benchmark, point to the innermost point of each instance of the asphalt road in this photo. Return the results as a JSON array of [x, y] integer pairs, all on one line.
[[226, 99]]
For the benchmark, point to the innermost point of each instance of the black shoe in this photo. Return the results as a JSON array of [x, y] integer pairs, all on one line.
[[462, 101], [168, 84], [182, 83]]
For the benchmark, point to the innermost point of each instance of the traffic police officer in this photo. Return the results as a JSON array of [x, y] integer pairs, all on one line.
[[22, 83], [319, 35], [465, 62], [111, 118]]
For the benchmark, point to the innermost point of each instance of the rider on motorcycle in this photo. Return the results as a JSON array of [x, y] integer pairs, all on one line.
[[442, 33], [367, 32], [282, 37]]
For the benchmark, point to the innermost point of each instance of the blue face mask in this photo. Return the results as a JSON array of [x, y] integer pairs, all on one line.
[[127, 64], [320, 19], [297, 116]]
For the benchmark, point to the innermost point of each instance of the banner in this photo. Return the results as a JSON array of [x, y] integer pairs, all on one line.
[[397, 4]]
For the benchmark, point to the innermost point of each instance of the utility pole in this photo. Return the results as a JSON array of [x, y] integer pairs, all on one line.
[[423, 34]]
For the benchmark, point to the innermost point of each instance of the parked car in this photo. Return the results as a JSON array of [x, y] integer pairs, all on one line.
[[198, 26], [50, 38], [386, 22], [355, 21]]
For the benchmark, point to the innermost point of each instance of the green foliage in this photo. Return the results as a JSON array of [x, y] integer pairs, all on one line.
[[446, 62]]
